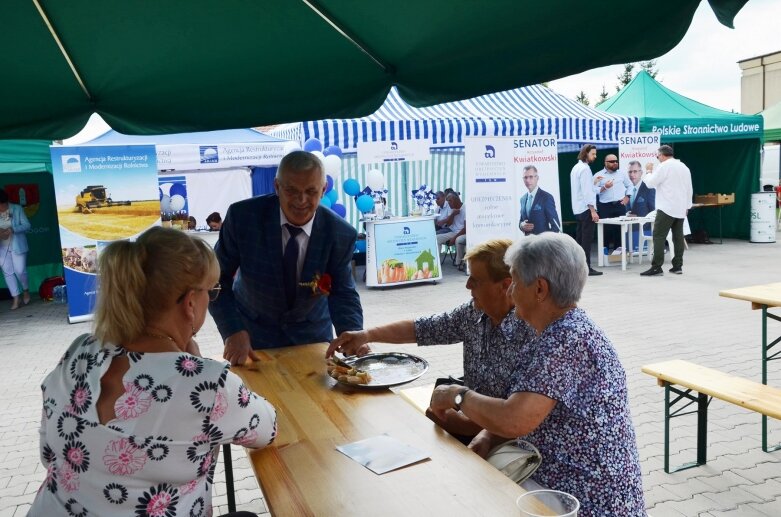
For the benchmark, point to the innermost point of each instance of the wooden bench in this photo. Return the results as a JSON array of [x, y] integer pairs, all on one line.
[[681, 378]]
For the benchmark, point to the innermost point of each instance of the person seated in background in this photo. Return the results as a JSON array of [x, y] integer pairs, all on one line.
[[191, 223], [568, 396], [456, 223], [444, 212], [214, 221], [133, 415], [493, 337]]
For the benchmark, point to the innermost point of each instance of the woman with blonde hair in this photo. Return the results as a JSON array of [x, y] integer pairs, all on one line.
[[133, 416]]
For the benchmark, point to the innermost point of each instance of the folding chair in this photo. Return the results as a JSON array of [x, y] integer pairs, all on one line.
[[445, 251]]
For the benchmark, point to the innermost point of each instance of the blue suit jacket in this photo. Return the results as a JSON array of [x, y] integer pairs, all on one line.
[[644, 202], [543, 213], [250, 247]]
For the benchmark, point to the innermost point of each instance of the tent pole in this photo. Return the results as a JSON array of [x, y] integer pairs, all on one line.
[[62, 48]]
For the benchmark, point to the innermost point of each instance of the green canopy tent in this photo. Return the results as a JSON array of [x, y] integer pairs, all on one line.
[[772, 117], [26, 175], [722, 149], [172, 67]]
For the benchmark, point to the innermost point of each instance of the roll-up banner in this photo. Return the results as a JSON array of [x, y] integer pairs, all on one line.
[[512, 187], [638, 148], [104, 194]]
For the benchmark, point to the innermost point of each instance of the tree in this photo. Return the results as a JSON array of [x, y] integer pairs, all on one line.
[[650, 67], [581, 98], [626, 76], [602, 95]]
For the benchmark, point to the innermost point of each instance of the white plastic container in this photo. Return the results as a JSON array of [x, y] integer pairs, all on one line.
[[763, 217]]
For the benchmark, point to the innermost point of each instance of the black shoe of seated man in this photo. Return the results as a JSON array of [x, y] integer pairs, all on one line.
[[594, 272], [654, 271], [676, 270]]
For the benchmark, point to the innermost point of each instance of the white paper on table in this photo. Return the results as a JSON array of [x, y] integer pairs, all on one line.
[[382, 453]]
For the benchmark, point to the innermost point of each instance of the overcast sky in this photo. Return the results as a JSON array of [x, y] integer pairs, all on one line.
[[704, 64]]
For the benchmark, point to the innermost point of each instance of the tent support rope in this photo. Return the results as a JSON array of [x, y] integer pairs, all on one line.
[[351, 38], [62, 48]]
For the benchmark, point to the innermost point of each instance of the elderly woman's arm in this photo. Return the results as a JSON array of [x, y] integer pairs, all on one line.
[[515, 416]]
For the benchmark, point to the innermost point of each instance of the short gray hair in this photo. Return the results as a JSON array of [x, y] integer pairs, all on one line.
[[635, 162], [299, 161], [666, 150], [557, 258], [529, 168]]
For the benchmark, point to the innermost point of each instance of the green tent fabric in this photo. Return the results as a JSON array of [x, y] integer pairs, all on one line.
[[172, 67], [721, 149], [678, 118], [772, 117], [25, 156]]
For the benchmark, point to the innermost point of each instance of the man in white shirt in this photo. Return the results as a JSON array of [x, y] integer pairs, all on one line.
[[673, 183], [456, 222], [615, 188], [584, 201], [444, 212]]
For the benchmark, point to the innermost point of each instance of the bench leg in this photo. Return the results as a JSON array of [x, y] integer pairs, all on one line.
[[768, 355], [702, 402], [228, 462]]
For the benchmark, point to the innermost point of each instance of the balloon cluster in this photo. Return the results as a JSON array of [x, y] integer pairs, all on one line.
[[364, 197], [424, 197], [331, 157], [175, 199]]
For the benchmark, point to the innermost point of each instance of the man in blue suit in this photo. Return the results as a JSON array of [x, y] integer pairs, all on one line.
[[538, 208], [642, 200], [270, 245]]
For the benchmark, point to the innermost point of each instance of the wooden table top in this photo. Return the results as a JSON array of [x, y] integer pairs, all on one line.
[[302, 473], [758, 295]]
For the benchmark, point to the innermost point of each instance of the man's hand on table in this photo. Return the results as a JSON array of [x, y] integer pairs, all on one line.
[[482, 443], [238, 349], [351, 342], [443, 398]]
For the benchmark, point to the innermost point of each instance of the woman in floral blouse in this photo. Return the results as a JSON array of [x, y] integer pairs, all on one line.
[[133, 416], [569, 396]]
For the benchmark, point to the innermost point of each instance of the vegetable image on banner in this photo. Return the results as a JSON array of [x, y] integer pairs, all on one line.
[[103, 193]]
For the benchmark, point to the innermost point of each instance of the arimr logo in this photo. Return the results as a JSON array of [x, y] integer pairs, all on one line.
[[71, 163], [209, 154]]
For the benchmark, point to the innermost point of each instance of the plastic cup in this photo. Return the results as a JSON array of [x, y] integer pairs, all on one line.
[[548, 503]]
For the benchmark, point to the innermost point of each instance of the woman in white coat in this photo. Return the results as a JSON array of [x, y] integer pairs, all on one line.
[[13, 249]]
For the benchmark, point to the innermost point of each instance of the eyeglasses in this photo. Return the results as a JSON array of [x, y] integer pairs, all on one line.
[[611, 161], [214, 292]]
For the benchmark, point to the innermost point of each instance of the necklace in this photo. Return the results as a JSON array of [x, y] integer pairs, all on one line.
[[161, 336]]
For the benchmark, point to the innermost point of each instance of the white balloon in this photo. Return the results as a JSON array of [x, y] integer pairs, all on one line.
[[166, 188], [333, 165], [319, 155], [289, 147], [177, 202], [375, 180], [165, 204]]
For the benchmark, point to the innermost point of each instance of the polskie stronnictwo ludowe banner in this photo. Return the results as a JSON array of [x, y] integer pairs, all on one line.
[[512, 187], [104, 194]]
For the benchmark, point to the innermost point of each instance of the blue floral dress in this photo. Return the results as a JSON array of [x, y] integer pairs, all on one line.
[[587, 442], [157, 457]]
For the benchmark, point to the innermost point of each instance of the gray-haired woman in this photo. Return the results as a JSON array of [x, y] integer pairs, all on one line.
[[569, 395]]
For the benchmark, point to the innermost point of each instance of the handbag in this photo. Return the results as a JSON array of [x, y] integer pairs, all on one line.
[[516, 459]]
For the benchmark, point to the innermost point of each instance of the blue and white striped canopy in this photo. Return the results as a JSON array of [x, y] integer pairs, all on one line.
[[533, 110]]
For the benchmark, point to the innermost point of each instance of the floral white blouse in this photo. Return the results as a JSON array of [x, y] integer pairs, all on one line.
[[157, 457]]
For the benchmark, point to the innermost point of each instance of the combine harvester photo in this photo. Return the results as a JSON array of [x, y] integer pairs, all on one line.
[[94, 196]]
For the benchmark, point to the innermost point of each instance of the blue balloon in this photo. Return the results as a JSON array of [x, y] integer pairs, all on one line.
[[325, 201], [340, 209], [313, 144], [178, 189], [365, 203], [333, 149], [351, 187], [329, 183], [360, 246], [332, 195]]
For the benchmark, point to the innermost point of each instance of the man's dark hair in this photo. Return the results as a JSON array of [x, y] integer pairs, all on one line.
[[3, 196], [449, 191], [666, 150], [214, 217], [583, 154]]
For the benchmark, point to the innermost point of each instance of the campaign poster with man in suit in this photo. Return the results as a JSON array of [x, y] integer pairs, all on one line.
[[536, 163]]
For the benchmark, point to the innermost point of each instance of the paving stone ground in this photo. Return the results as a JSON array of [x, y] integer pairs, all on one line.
[[648, 320]]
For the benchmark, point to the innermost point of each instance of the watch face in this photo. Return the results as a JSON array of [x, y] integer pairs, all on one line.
[[459, 399]]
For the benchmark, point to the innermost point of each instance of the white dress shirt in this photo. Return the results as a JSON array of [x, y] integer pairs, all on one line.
[[622, 185], [584, 192], [302, 239], [444, 213], [459, 220], [673, 183]]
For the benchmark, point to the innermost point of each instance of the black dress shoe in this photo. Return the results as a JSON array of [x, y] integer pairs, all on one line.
[[593, 272], [676, 270], [654, 271]]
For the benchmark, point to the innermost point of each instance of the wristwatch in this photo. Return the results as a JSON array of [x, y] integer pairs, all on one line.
[[459, 398]]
